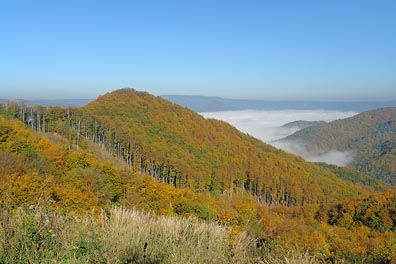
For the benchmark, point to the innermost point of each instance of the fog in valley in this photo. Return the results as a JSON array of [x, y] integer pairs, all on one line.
[[268, 126], [340, 158]]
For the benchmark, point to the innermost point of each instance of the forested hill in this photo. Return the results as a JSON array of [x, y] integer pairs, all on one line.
[[134, 150], [371, 136], [178, 146]]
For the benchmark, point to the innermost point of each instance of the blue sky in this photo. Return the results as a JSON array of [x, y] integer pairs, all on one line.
[[327, 50]]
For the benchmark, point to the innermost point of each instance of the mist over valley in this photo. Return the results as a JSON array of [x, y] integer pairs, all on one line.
[[269, 126]]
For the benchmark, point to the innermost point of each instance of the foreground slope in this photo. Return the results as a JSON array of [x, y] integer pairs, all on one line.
[[124, 236], [370, 136], [180, 147]]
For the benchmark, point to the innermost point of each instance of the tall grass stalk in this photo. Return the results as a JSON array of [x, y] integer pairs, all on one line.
[[43, 235]]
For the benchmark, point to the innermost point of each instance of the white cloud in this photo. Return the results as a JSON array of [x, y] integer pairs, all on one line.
[[267, 126]]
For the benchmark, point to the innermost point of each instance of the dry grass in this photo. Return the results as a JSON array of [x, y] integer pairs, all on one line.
[[292, 257], [121, 236], [139, 237]]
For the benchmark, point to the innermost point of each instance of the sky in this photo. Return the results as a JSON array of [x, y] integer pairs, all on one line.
[[279, 49]]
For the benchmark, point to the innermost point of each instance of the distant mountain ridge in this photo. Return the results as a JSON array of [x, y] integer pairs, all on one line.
[[301, 124], [53, 102], [370, 136], [214, 104]]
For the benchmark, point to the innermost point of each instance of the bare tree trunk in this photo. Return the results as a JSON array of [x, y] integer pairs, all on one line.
[[78, 134]]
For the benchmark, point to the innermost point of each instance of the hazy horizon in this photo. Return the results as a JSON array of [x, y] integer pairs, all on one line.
[[44, 98], [203, 103]]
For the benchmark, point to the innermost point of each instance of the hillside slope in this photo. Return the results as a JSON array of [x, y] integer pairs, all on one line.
[[371, 136], [39, 169]]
